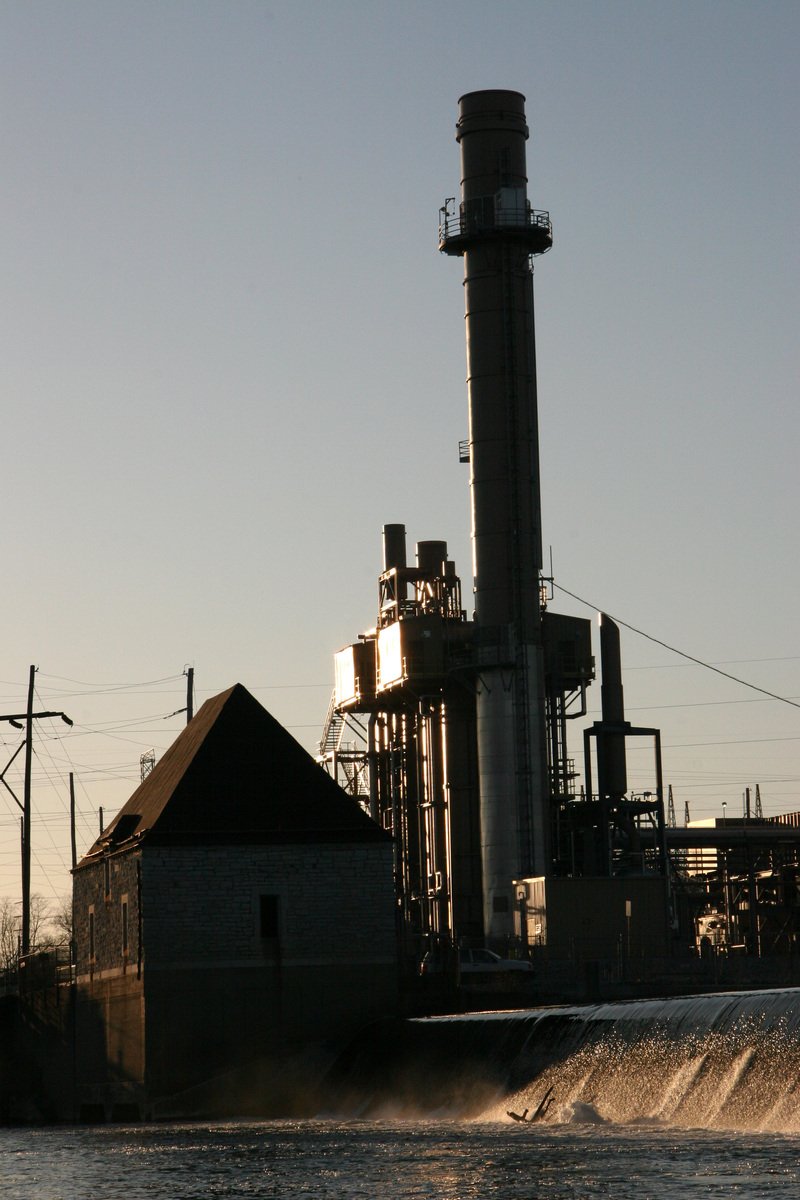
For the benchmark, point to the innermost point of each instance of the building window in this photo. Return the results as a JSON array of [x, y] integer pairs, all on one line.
[[269, 917], [124, 915]]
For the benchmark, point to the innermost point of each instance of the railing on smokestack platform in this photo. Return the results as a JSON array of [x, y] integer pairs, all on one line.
[[487, 215]]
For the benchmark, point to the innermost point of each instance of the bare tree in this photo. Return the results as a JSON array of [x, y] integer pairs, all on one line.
[[61, 922], [51, 927], [41, 916], [9, 933]]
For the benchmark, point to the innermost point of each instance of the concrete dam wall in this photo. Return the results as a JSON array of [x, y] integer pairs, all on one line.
[[718, 1061]]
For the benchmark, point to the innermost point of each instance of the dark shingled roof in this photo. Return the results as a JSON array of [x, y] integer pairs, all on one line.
[[235, 776]]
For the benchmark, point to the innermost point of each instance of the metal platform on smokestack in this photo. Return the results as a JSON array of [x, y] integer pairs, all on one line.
[[498, 217], [489, 212]]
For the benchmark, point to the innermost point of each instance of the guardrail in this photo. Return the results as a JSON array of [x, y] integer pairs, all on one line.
[[45, 968], [458, 225]]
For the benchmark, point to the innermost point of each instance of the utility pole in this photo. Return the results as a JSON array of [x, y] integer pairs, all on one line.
[[72, 820], [16, 719], [26, 820], [189, 707]]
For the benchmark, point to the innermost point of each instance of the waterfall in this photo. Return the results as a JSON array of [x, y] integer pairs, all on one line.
[[729, 1061]]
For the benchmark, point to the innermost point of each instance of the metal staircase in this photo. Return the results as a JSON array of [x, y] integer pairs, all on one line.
[[346, 760], [332, 731]]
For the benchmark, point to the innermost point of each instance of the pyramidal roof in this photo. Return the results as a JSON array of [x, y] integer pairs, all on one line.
[[235, 775]]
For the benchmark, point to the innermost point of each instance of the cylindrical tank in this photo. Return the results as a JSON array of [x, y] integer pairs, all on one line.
[[431, 558], [497, 232], [394, 547], [394, 556]]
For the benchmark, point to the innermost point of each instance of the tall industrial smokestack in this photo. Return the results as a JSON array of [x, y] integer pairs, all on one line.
[[497, 232]]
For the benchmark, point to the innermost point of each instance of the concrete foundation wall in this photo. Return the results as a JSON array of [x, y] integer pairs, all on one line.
[[206, 1025], [109, 1031]]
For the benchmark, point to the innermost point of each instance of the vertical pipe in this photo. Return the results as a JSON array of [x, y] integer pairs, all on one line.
[[394, 546], [73, 843], [437, 819], [445, 822], [372, 767], [462, 801], [394, 555], [612, 773]]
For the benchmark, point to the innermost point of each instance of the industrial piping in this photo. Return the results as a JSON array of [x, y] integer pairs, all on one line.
[[497, 233]]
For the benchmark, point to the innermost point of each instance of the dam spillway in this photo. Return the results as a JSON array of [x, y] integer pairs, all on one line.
[[724, 1061]]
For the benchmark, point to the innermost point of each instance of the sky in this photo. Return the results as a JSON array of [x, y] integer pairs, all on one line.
[[232, 352]]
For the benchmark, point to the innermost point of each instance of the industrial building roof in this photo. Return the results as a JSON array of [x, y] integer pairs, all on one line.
[[234, 775]]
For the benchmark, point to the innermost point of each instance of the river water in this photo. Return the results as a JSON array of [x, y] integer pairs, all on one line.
[[439, 1160], [651, 1100]]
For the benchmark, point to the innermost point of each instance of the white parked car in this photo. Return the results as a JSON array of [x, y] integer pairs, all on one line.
[[487, 960], [475, 962]]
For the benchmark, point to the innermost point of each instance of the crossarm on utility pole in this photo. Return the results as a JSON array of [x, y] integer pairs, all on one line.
[[16, 719], [5, 784]]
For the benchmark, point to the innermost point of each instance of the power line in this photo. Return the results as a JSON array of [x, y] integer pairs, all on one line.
[[112, 687], [682, 653], [732, 742], [728, 662]]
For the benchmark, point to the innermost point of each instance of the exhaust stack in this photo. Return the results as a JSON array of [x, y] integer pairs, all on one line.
[[497, 232]]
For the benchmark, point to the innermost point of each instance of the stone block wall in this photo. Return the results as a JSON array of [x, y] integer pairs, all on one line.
[[220, 995], [334, 903], [105, 899], [248, 953]]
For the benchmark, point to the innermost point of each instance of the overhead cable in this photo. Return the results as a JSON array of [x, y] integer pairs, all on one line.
[[681, 653]]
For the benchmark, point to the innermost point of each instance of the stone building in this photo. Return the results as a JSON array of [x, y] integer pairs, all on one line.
[[233, 923]]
